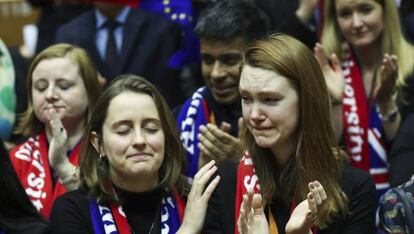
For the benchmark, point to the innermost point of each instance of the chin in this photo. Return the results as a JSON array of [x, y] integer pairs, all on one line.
[[264, 142]]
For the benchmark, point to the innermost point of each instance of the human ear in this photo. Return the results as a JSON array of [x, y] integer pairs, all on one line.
[[95, 142]]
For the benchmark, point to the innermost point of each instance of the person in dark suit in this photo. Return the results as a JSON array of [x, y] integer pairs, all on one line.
[[125, 40]]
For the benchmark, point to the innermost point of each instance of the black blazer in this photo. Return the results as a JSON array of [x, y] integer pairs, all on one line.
[[149, 41]]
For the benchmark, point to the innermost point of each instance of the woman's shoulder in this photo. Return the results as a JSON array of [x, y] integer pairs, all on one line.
[[357, 184], [73, 200], [71, 211]]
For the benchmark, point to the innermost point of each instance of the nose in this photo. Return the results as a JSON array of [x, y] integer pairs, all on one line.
[[51, 94], [138, 140], [357, 21], [256, 114], [218, 70]]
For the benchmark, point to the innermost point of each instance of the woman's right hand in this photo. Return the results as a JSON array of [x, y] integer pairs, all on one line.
[[334, 76], [252, 218], [306, 213], [197, 202]]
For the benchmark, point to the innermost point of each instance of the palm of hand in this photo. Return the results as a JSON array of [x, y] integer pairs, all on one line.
[[332, 73], [298, 222]]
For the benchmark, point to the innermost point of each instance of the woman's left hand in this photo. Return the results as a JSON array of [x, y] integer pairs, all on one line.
[[385, 85], [306, 213], [197, 202]]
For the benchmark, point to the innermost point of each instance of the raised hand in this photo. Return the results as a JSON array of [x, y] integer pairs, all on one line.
[[252, 218], [57, 148], [385, 85], [306, 213], [196, 208], [306, 9], [216, 143], [332, 71]]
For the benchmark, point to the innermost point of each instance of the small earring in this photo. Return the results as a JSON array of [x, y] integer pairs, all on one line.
[[101, 157]]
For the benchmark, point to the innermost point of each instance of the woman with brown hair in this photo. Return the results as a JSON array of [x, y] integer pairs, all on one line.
[[62, 86], [292, 167], [132, 167]]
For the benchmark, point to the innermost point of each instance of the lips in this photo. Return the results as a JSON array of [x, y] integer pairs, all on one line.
[[139, 156], [221, 91]]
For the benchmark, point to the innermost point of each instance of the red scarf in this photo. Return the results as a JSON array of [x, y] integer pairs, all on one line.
[[355, 115], [248, 180], [31, 163]]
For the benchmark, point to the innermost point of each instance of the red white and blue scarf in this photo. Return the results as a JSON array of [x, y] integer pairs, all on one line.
[[112, 219], [193, 114], [363, 133], [31, 163]]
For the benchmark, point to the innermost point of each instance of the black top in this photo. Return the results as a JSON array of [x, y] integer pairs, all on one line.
[[71, 212], [401, 157], [356, 184]]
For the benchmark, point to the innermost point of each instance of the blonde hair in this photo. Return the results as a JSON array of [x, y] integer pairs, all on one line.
[[392, 38], [314, 158], [30, 124]]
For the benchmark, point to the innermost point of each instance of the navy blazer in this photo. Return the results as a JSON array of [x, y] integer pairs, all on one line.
[[149, 41]]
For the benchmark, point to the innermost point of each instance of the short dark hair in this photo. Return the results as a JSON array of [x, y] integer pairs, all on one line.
[[229, 19]]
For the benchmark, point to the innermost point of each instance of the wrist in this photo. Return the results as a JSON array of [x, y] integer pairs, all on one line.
[[72, 177], [389, 116]]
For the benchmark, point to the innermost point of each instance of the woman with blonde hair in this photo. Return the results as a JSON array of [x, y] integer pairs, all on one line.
[[293, 172], [62, 87], [368, 67]]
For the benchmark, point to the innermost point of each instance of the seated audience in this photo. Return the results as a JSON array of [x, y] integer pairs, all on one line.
[[62, 88], [292, 177], [132, 168]]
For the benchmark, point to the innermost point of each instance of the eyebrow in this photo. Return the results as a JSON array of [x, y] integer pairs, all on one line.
[[128, 122]]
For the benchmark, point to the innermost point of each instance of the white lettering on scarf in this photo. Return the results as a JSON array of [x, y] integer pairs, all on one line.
[[354, 130], [165, 229], [107, 219], [35, 180], [187, 135]]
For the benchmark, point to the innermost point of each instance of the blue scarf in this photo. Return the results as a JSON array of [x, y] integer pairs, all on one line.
[[193, 114]]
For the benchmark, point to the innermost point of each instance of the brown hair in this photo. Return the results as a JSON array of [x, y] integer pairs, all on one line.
[[30, 124], [94, 172], [392, 38], [315, 158]]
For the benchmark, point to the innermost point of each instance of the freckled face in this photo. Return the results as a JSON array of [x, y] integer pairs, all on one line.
[[133, 139], [270, 108]]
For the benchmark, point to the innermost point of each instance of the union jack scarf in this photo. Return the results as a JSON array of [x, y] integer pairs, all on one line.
[[31, 163], [363, 133]]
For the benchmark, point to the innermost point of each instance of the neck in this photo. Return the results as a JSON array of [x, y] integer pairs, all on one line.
[[369, 56], [143, 184], [75, 132], [283, 151]]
